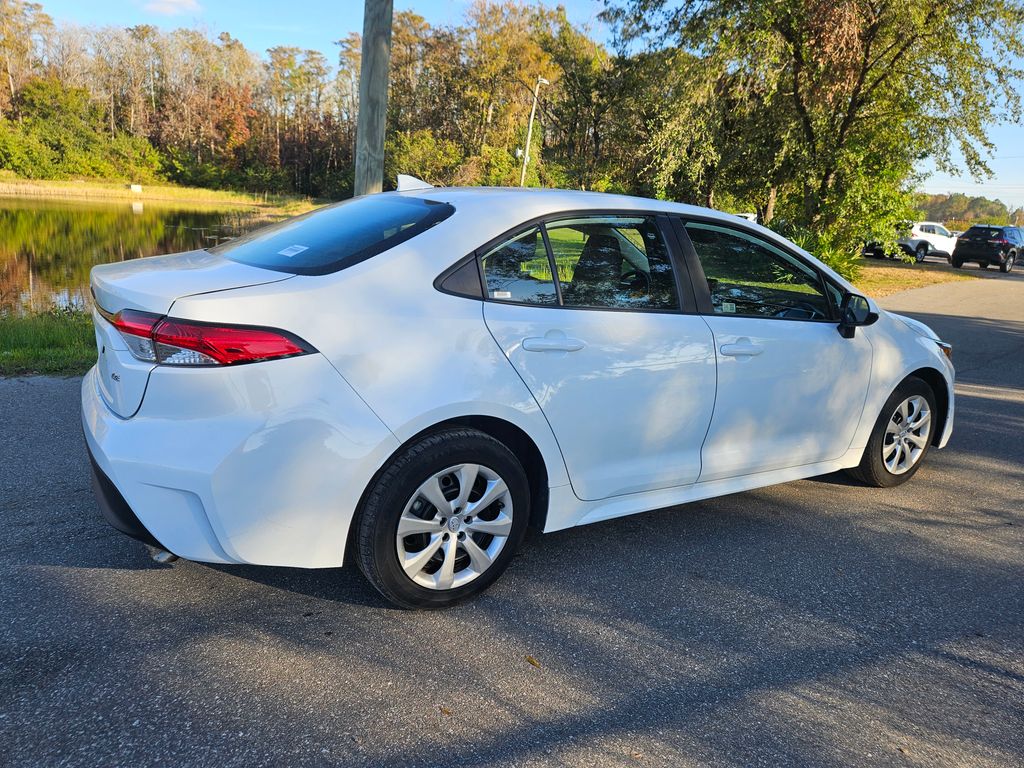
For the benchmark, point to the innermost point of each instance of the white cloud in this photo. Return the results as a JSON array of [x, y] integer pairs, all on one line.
[[173, 7]]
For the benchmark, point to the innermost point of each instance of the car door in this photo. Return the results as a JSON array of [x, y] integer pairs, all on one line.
[[943, 239], [791, 389], [588, 311]]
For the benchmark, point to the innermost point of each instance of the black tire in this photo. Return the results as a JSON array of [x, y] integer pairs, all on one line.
[[982, 265], [921, 252], [1007, 265], [397, 483], [872, 470], [957, 263]]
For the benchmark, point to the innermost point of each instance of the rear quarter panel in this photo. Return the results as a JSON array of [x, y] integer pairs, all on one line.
[[415, 356]]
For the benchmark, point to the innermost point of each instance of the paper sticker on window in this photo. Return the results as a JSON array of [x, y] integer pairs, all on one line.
[[501, 294], [728, 306], [293, 250]]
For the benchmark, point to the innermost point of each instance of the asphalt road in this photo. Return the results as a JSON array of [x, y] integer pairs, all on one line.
[[815, 623]]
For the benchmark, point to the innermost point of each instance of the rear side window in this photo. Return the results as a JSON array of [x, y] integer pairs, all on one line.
[[518, 270], [337, 236]]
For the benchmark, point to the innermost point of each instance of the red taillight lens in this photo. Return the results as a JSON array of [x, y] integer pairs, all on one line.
[[170, 341], [133, 322], [180, 342]]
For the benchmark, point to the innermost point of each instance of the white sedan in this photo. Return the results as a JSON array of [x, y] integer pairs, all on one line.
[[409, 380]]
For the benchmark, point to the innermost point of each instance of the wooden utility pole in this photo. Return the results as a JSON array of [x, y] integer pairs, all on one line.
[[373, 96]]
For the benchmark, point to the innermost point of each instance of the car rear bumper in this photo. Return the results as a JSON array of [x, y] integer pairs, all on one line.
[[115, 509], [260, 464], [977, 255]]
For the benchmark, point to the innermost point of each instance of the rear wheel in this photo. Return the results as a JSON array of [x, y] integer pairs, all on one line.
[[1007, 265], [921, 252], [443, 520], [957, 263], [901, 436]]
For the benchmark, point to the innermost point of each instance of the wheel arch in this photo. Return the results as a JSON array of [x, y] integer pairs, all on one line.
[[934, 379], [507, 433]]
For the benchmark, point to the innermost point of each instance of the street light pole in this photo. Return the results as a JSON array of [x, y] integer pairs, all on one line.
[[529, 130]]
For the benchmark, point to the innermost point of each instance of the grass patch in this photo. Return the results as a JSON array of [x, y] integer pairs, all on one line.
[[880, 278], [58, 343]]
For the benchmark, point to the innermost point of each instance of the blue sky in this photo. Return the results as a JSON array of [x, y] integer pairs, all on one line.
[[262, 24]]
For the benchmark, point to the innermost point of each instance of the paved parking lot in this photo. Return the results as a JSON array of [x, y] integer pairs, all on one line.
[[815, 623]]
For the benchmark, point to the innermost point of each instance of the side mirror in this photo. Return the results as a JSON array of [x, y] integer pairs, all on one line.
[[854, 311]]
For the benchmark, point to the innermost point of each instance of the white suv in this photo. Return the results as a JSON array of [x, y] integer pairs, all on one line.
[[926, 237]]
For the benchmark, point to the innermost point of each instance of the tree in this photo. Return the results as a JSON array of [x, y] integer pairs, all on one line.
[[839, 99], [22, 25]]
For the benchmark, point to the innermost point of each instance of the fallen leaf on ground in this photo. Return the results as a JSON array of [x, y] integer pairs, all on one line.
[[533, 661]]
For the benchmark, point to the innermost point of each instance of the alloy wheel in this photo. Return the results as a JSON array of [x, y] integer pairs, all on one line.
[[907, 435], [454, 526]]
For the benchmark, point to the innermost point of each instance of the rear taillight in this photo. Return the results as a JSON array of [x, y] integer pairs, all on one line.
[[170, 341], [999, 242]]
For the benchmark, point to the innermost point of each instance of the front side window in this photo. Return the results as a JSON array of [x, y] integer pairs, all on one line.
[[336, 236], [748, 276], [617, 262], [518, 270]]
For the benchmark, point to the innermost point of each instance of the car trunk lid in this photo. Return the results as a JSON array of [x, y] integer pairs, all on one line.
[[153, 285]]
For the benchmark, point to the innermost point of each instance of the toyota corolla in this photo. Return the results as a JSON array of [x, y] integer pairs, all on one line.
[[409, 380]]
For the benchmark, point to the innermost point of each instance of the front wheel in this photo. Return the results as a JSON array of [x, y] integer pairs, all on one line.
[[1007, 265], [957, 263], [900, 438], [443, 519]]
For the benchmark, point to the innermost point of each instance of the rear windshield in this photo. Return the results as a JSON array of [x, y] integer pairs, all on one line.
[[337, 236], [984, 232]]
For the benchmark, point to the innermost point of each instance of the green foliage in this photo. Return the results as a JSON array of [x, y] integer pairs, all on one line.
[[420, 154], [60, 136], [816, 111], [824, 246]]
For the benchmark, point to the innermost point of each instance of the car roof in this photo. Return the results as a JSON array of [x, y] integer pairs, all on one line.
[[553, 200], [506, 208], [509, 207]]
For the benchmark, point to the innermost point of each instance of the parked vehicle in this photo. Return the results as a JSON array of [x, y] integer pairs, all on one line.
[[986, 244], [408, 380], [917, 240], [928, 237], [874, 249]]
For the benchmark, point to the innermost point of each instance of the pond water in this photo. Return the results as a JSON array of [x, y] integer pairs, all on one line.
[[47, 247]]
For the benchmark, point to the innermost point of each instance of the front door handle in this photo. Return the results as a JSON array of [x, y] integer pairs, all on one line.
[[742, 349], [552, 344]]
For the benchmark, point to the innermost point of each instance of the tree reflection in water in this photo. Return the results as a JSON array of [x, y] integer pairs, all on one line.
[[47, 247]]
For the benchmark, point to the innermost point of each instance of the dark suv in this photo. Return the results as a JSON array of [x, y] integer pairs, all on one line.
[[986, 244]]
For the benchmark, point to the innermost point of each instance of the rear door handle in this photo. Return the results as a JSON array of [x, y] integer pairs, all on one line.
[[552, 344], [742, 349]]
